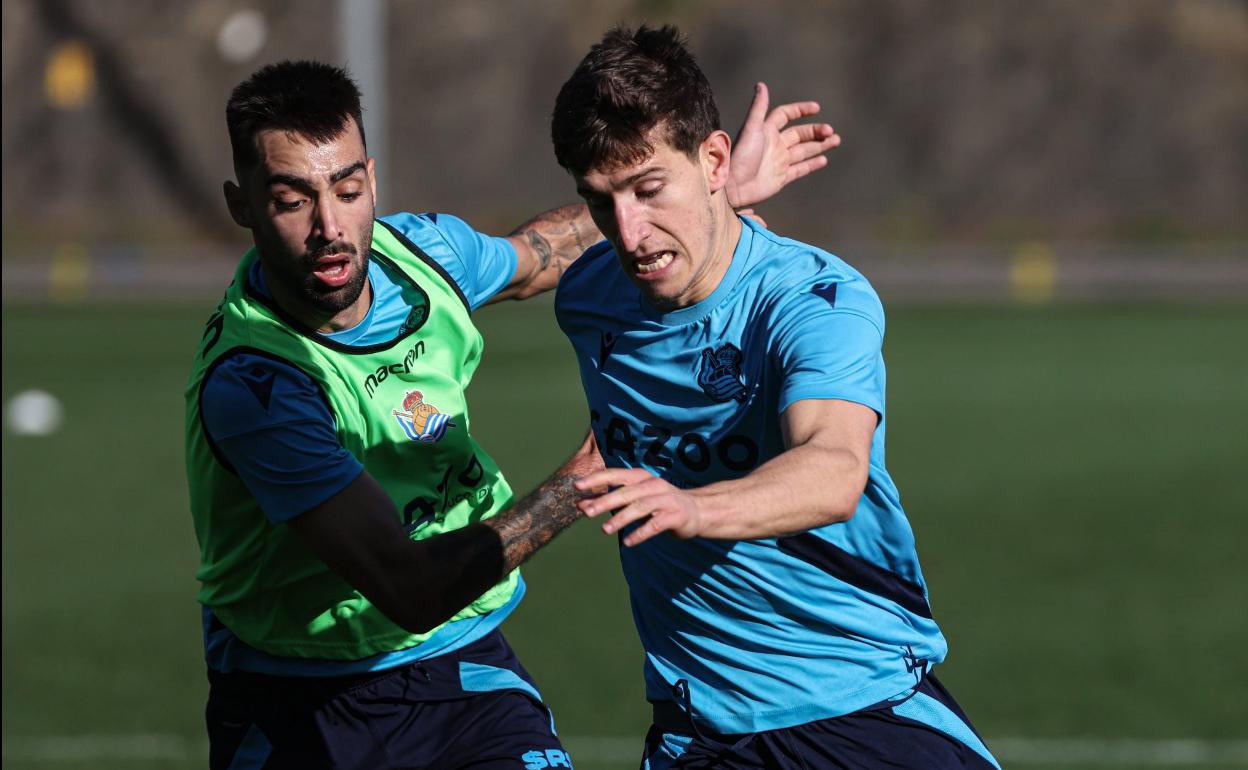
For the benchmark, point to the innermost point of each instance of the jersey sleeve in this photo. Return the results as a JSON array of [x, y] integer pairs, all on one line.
[[828, 343], [271, 423], [482, 265]]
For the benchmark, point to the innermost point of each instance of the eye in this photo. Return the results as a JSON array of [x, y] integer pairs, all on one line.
[[645, 193], [282, 205], [351, 196]]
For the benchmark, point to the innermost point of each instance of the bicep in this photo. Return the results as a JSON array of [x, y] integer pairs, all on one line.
[[826, 352], [270, 422], [832, 424]]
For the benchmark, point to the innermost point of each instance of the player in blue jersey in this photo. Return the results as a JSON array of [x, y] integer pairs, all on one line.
[[736, 390], [358, 548]]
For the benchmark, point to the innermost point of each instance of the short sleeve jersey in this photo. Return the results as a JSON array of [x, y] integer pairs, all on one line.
[[271, 422], [763, 633]]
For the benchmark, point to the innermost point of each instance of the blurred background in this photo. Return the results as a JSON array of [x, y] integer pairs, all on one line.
[[1050, 196]]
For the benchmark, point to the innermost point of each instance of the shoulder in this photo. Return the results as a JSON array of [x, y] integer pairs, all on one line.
[[427, 230], [249, 390], [479, 265], [799, 279]]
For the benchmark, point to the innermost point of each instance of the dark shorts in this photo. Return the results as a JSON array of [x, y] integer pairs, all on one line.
[[472, 708], [926, 730]]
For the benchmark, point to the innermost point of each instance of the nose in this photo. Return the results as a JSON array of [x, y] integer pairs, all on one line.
[[326, 223], [631, 224]]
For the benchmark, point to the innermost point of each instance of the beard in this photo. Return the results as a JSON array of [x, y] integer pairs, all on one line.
[[298, 273], [329, 299]]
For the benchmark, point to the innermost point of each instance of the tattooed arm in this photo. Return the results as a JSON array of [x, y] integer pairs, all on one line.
[[421, 583], [545, 246]]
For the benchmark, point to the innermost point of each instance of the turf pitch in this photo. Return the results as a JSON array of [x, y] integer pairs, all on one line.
[[1075, 478]]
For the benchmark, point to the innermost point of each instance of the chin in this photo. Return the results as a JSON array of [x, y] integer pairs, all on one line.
[[339, 299]]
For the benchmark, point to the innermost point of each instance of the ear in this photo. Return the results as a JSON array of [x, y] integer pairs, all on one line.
[[715, 155], [236, 202], [372, 180]]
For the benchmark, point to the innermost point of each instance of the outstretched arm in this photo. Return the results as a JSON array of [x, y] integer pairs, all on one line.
[[421, 583], [545, 246], [816, 481]]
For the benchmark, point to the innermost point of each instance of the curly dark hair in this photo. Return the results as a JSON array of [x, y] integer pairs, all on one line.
[[630, 82]]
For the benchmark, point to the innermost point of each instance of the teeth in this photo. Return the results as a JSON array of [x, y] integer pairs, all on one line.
[[663, 261]]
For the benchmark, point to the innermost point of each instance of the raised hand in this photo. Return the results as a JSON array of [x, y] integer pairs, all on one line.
[[767, 155]]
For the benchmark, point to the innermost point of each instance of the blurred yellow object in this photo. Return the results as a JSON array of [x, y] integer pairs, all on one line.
[[69, 274], [1033, 273], [69, 79]]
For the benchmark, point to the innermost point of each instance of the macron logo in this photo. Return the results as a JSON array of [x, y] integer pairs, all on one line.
[[605, 345]]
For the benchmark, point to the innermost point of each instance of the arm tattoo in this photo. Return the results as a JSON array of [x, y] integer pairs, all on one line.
[[560, 236], [534, 521], [541, 246]]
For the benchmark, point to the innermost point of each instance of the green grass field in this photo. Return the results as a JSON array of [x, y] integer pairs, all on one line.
[[1077, 479]]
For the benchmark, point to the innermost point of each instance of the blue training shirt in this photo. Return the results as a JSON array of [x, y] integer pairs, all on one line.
[[766, 633], [289, 455]]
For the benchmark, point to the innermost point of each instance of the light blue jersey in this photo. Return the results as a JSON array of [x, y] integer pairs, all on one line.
[[768, 633]]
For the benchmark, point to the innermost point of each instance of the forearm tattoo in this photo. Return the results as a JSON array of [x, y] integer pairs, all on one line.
[[541, 246], [534, 521], [560, 236]]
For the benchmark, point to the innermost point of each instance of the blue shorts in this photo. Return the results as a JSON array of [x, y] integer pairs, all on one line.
[[926, 729], [473, 707]]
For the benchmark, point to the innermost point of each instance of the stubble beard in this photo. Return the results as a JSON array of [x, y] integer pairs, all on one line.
[[333, 301]]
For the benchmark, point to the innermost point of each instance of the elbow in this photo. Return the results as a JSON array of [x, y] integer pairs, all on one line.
[[842, 512], [844, 501]]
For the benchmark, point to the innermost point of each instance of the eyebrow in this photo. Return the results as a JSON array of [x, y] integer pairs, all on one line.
[[583, 191], [334, 178]]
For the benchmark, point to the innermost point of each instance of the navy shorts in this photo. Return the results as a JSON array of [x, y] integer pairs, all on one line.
[[925, 730], [473, 708]]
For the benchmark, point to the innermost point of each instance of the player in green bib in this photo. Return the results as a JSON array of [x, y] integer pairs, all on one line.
[[358, 548]]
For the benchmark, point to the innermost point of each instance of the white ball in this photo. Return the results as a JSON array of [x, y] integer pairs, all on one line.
[[242, 35], [33, 413]]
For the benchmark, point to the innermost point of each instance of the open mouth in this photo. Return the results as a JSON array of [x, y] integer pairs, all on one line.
[[333, 271], [654, 263]]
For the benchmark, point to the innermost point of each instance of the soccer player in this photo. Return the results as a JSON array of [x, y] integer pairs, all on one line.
[[358, 548], [736, 391]]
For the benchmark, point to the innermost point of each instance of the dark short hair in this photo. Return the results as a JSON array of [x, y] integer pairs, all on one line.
[[310, 99], [626, 85]]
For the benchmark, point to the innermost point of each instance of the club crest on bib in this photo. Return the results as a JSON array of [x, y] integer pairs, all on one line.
[[719, 373], [420, 420]]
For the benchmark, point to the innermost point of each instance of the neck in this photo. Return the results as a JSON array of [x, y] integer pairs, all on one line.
[[725, 234]]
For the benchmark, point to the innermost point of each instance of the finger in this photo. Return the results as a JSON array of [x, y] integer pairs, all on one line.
[[781, 115], [752, 214], [621, 496], [628, 514], [605, 503], [799, 170], [612, 477], [807, 150], [654, 526], [806, 132], [758, 105]]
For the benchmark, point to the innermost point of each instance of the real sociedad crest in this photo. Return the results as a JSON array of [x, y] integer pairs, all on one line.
[[420, 420], [719, 373]]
